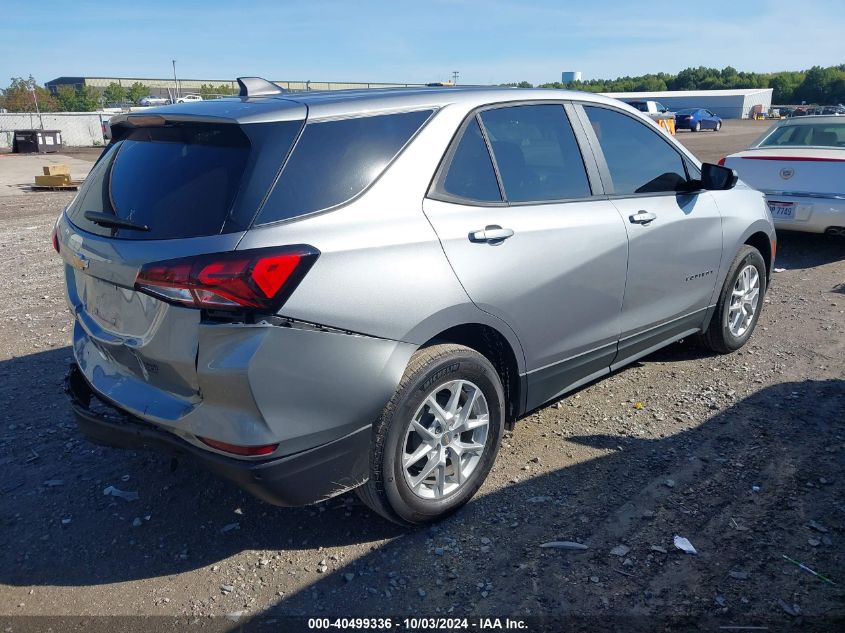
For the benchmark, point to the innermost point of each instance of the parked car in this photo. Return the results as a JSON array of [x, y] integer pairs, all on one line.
[[697, 119], [429, 265], [188, 98], [799, 164], [649, 107], [149, 100]]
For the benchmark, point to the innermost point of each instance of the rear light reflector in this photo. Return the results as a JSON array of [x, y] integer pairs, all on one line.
[[235, 449], [721, 162], [258, 279]]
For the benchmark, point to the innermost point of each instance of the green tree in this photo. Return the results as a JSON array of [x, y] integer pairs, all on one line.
[[88, 99], [136, 91], [207, 91], [22, 94], [784, 85], [820, 85], [66, 96], [114, 93]]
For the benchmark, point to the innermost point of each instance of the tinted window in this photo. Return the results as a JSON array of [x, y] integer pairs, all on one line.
[[179, 180], [536, 153], [334, 161], [639, 160], [471, 173]]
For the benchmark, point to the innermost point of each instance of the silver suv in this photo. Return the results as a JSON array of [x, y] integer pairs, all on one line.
[[316, 292]]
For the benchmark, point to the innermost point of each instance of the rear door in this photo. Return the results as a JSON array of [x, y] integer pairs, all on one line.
[[529, 241], [675, 239]]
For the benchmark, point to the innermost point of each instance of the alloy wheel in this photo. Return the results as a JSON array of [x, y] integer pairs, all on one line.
[[744, 300], [446, 439]]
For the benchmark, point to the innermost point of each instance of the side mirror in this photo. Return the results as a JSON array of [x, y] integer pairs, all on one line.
[[717, 178]]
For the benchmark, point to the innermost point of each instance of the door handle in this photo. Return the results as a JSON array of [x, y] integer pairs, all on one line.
[[643, 217], [492, 234]]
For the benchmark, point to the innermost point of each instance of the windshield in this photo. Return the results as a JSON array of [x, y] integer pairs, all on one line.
[[812, 135]]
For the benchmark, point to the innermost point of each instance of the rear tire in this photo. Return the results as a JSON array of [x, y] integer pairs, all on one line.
[[697, 127], [738, 307], [423, 466]]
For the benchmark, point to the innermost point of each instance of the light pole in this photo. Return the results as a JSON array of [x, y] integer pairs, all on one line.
[[455, 74], [175, 81]]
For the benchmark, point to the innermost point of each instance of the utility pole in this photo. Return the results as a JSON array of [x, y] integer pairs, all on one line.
[[175, 81], [35, 99], [455, 74]]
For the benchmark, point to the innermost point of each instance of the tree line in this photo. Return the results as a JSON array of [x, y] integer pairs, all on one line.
[[819, 85], [22, 95]]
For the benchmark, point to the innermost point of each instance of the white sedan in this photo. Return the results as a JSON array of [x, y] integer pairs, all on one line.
[[800, 165]]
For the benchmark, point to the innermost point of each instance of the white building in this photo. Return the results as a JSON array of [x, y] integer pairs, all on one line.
[[568, 76], [728, 104]]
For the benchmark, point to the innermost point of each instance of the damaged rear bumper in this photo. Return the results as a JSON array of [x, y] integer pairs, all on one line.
[[299, 479]]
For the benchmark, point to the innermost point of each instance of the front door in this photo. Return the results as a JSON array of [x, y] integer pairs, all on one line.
[[675, 239]]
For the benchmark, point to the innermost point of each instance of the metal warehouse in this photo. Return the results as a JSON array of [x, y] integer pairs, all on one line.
[[728, 104]]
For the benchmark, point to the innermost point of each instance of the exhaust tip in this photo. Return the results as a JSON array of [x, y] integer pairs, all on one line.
[[836, 230]]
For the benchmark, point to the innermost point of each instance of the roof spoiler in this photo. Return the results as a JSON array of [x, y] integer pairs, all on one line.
[[258, 87]]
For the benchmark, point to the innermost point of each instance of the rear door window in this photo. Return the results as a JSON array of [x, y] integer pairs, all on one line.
[[536, 153], [334, 161], [638, 159], [471, 175], [180, 180]]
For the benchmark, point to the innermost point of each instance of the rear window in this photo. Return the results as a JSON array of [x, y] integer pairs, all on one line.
[[180, 180], [334, 161], [813, 135]]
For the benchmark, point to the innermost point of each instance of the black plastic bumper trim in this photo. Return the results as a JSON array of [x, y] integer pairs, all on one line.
[[306, 477]]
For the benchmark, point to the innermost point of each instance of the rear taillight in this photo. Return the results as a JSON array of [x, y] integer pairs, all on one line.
[[54, 236], [260, 279], [721, 162]]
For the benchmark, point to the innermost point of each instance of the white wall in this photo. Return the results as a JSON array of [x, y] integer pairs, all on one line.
[[79, 129]]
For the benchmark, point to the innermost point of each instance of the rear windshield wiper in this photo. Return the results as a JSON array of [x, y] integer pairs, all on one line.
[[112, 221]]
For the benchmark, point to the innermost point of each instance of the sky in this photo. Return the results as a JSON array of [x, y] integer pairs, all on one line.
[[489, 41]]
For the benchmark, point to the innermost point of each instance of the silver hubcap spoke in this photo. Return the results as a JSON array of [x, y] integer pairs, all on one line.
[[744, 298], [445, 439]]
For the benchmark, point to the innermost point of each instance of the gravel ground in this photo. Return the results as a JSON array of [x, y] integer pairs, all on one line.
[[743, 455]]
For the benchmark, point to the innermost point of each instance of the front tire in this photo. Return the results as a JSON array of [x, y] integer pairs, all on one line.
[[718, 126], [437, 438], [697, 127], [740, 303]]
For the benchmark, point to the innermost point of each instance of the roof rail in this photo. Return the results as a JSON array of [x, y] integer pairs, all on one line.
[[258, 87]]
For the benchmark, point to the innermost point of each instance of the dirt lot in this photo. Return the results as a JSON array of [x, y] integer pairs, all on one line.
[[743, 455]]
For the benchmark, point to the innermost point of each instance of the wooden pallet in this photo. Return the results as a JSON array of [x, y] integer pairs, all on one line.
[[73, 186]]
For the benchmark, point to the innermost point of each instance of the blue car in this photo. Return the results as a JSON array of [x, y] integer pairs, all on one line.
[[697, 119]]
